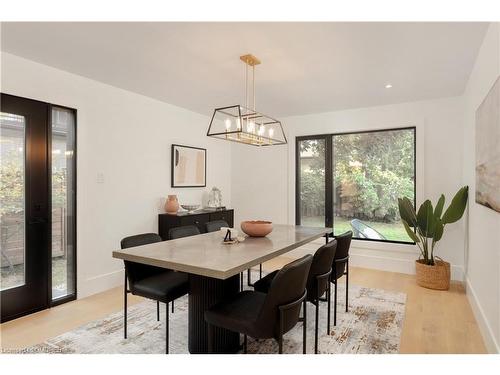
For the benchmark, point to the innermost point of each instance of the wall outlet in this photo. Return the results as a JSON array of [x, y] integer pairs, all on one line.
[[100, 178]]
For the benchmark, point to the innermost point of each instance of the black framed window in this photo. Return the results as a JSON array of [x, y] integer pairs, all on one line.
[[352, 181]]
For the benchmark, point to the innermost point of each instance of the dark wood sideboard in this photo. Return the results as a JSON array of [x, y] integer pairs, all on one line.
[[198, 218]]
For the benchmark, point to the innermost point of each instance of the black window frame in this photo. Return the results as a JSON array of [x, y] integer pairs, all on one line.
[[329, 153]]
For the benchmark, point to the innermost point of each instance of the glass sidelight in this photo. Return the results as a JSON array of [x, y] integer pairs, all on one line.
[[63, 202]]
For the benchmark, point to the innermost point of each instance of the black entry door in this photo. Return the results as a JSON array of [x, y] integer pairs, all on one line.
[[25, 225]]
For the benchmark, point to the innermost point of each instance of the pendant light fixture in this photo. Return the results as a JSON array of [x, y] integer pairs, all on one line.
[[243, 124]]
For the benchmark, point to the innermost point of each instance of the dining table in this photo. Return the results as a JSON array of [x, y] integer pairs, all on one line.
[[214, 269]]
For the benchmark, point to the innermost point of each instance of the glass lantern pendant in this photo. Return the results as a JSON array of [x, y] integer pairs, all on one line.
[[243, 124]]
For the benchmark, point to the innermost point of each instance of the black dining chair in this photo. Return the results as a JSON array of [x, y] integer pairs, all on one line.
[[151, 282], [262, 316], [184, 231], [318, 282], [215, 225], [340, 267], [180, 232]]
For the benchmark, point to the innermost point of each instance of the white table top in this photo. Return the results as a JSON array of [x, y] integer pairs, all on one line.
[[206, 255]]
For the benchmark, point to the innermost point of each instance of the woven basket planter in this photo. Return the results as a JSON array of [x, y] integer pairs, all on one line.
[[433, 277]]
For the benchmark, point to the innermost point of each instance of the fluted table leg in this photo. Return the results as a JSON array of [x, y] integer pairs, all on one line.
[[204, 292]]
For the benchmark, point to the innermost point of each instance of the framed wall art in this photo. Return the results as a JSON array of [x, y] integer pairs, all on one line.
[[488, 149], [188, 166]]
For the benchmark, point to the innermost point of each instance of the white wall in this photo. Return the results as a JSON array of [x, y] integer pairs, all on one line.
[[439, 170], [127, 138], [483, 266]]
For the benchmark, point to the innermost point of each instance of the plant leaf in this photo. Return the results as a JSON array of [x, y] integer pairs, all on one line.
[[457, 206], [410, 232], [425, 219], [438, 232], [407, 212], [439, 207]]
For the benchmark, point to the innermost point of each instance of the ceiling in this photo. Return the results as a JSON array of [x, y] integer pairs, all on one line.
[[306, 67]]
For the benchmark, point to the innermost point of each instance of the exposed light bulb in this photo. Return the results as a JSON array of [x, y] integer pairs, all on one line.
[[262, 129], [388, 86], [271, 132], [238, 124], [251, 127], [227, 123]]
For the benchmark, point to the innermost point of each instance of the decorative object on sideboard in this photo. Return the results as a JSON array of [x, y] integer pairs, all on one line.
[[190, 207], [215, 198], [244, 124], [257, 228], [426, 228], [171, 204], [188, 166], [488, 149]]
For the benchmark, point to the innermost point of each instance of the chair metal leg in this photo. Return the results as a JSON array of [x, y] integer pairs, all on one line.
[[158, 311], [125, 307], [335, 305], [245, 344], [249, 275], [241, 281], [166, 328], [304, 329], [316, 329], [347, 287], [172, 307], [210, 331], [328, 298]]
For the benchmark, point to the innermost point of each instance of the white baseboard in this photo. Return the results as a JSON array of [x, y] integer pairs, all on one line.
[[101, 283], [394, 264], [488, 335], [383, 257]]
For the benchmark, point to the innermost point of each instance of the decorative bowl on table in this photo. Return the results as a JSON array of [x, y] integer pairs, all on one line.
[[190, 207], [257, 228]]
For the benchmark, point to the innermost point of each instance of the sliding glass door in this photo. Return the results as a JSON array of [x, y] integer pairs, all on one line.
[[37, 207], [352, 181]]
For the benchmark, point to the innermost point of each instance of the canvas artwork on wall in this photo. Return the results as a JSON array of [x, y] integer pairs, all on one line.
[[488, 149], [189, 166]]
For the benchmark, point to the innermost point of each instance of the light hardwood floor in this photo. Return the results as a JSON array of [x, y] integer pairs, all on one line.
[[435, 321]]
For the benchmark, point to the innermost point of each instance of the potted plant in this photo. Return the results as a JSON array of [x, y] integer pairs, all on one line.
[[425, 228]]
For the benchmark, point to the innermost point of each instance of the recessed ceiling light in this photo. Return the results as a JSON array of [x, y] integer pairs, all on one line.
[[388, 86]]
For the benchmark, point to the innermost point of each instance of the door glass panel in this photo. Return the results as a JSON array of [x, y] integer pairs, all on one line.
[[312, 182], [63, 202], [12, 242]]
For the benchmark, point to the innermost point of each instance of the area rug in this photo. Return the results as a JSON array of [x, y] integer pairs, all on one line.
[[372, 325]]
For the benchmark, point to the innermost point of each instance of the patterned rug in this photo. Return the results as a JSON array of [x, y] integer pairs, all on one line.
[[372, 325]]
